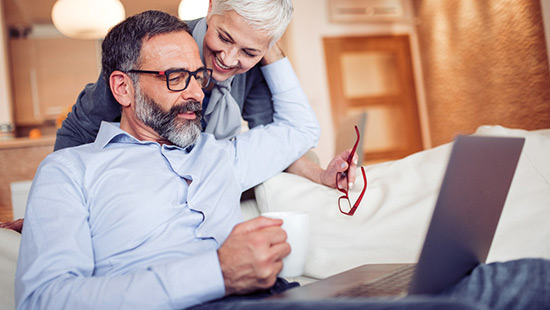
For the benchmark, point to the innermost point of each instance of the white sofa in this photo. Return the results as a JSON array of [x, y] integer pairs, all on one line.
[[9, 248], [390, 224]]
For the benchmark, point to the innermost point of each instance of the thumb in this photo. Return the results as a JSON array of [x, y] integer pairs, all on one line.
[[343, 165], [338, 165]]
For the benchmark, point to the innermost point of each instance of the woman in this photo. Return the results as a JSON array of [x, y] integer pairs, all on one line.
[[236, 38]]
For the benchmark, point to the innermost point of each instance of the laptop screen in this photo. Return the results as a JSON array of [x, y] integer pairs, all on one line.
[[471, 198]]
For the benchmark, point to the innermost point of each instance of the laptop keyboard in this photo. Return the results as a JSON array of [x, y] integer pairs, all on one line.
[[393, 284]]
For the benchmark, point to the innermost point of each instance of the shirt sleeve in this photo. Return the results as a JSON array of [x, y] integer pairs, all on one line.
[[265, 151], [94, 104], [55, 267]]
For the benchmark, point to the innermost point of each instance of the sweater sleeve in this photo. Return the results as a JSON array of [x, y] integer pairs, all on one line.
[[258, 104]]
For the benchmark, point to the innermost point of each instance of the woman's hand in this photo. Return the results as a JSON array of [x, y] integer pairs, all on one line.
[[273, 54], [338, 165]]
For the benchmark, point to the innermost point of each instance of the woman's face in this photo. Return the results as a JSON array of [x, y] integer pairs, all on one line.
[[231, 46]]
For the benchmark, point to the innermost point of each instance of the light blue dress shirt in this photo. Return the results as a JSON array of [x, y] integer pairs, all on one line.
[[114, 224]]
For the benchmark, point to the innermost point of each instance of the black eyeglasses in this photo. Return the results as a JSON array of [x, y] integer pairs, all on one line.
[[344, 204], [178, 79]]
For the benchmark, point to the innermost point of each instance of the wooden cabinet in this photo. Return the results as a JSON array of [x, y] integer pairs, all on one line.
[[19, 159], [48, 74]]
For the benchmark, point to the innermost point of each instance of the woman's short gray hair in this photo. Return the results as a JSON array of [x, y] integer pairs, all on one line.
[[269, 16]]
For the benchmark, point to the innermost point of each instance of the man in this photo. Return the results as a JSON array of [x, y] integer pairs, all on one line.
[[146, 217]]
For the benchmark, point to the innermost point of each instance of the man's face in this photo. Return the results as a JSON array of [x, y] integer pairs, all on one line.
[[231, 46], [180, 131], [174, 116]]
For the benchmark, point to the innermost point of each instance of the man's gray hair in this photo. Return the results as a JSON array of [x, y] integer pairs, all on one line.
[[269, 16]]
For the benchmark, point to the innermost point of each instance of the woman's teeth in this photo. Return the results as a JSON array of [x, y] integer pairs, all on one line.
[[218, 62]]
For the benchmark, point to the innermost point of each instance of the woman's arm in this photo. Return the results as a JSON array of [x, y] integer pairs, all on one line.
[[304, 166], [308, 169]]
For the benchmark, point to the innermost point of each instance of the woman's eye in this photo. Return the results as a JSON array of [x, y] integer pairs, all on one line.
[[224, 39], [247, 53]]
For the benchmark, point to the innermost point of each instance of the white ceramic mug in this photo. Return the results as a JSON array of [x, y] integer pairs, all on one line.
[[296, 226]]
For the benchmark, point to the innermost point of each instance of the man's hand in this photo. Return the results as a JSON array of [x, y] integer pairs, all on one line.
[[16, 225], [251, 257], [337, 165]]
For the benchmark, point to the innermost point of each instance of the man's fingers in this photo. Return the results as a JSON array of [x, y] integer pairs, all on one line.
[[276, 235], [257, 223], [281, 250], [252, 259]]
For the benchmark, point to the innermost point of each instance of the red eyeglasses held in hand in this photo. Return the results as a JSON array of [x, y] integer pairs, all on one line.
[[344, 204]]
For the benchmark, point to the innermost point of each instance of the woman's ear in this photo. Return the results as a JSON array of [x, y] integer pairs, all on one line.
[[209, 8], [122, 87]]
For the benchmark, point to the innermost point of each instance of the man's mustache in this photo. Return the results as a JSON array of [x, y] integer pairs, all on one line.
[[190, 106]]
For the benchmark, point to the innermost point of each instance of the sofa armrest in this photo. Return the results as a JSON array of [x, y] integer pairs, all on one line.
[[9, 249]]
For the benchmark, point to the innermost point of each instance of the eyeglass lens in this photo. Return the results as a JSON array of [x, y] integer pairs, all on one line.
[[344, 204], [179, 80]]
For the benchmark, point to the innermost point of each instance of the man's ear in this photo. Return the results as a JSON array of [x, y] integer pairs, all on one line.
[[122, 88]]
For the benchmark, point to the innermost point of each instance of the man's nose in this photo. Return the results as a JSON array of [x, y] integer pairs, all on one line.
[[193, 90]]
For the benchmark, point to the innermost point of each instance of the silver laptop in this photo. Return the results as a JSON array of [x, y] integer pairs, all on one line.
[[467, 211]]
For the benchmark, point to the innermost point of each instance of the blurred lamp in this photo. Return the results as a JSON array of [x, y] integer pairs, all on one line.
[[87, 19], [192, 9]]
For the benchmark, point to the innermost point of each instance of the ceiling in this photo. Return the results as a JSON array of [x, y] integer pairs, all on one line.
[[24, 13]]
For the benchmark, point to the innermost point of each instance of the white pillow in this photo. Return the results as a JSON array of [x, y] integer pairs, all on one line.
[[391, 222]]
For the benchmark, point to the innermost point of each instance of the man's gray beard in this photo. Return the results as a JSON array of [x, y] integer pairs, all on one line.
[[168, 125]]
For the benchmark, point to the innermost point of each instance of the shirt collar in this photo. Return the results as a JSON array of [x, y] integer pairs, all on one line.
[[111, 133]]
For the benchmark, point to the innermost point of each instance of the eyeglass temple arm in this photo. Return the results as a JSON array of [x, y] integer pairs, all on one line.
[[364, 189], [350, 158], [343, 174]]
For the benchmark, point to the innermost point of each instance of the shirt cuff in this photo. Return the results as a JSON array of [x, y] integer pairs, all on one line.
[[195, 280]]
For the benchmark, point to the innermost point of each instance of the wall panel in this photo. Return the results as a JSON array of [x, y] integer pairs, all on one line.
[[484, 62]]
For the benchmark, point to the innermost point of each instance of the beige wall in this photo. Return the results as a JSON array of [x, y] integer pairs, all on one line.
[[6, 117], [484, 62]]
